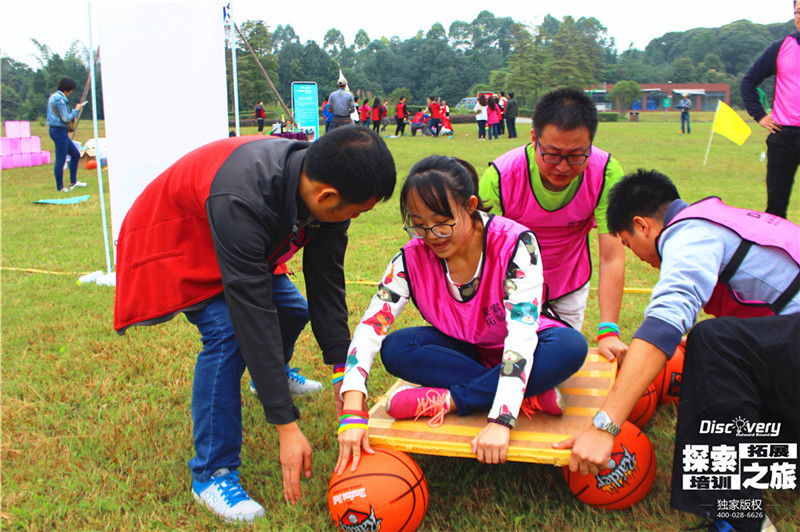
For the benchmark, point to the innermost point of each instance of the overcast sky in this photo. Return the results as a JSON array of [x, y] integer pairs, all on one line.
[[58, 24]]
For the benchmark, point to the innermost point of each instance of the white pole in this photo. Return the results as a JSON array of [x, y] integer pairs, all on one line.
[[711, 136], [95, 130], [234, 71]]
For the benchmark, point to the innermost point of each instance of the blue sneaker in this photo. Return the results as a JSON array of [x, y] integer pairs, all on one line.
[[300, 385], [225, 497]]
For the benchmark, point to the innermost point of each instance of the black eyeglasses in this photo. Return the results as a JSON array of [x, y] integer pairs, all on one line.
[[556, 158], [440, 230]]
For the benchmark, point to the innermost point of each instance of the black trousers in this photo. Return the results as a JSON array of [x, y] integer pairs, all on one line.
[[783, 158], [401, 126], [511, 125], [734, 370], [339, 121]]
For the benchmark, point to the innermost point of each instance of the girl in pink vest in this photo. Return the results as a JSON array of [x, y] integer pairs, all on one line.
[[477, 280]]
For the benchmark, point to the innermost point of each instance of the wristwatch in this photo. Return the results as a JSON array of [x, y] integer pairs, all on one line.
[[603, 422]]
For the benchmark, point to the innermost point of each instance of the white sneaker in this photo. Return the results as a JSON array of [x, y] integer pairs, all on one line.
[[65, 189], [300, 385], [226, 498], [78, 184]]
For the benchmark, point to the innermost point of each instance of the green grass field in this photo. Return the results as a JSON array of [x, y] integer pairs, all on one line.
[[96, 428]]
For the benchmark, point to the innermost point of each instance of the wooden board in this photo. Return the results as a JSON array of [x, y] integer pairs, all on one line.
[[531, 439]]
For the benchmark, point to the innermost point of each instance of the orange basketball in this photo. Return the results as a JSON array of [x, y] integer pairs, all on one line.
[[668, 381], [387, 491], [645, 407], [91, 165], [629, 479]]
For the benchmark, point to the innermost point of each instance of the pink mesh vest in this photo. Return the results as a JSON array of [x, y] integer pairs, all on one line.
[[563, 233], [481, 319], [755, 228]]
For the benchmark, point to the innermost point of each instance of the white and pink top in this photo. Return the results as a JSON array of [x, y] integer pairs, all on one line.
[[498, 311]]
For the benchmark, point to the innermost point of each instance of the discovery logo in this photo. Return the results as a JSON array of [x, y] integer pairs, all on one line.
[[741, 428]]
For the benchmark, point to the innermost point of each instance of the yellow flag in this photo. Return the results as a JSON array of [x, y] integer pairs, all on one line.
[[730, 124]]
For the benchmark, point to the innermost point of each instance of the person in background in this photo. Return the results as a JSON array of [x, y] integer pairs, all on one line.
[[444, 109], [342, 104], [230, 212], [327, 116], [492, 116], [685, 106], [378, 112], [365, 113], [740, 266], [355, 115], [557, 186], [436, 115], [401, 117], [489, 346], [58, 116], [421, 122], [481, 115], [511, 112], [260, 117], [782, 60], [501, 101]]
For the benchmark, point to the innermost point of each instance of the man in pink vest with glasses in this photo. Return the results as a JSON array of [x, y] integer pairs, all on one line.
[[557, 186]]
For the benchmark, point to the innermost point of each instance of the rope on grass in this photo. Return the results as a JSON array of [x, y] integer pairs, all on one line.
[[33, 270], [628, 290], [367, 283]]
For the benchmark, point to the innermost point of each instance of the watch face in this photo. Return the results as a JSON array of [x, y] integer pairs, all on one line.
[[601, 419]]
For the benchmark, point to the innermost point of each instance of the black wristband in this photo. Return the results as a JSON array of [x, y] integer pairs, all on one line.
[[501, 422]]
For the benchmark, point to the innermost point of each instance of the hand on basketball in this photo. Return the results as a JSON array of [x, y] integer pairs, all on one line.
[[295, 455], [591, 451], [491, 444], [612, 347], [351, 442]]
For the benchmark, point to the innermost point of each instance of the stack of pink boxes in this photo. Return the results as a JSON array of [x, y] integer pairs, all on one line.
[[18, 148]]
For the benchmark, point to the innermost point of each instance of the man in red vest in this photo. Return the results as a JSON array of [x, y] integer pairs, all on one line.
[[204, 238]]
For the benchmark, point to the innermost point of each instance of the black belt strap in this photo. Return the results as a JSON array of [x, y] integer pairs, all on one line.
[[736, 261]]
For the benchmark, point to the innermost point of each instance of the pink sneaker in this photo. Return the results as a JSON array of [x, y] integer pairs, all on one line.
[[412, 402], [550, 402]]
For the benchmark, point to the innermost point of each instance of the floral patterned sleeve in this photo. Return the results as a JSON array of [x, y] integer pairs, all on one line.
[[523, 303], [386, 305]]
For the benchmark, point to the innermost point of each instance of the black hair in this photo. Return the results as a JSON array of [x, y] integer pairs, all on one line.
[[482, 99], [355, 161], [567, 109], [376, 102], [641, 193], [502, 93], [437, 179], [66, 85], [492, 102], [510, 94], [366, 101]]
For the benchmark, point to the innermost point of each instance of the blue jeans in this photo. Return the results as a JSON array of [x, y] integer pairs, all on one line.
[[216, 395], [426, 356], [481, 129], [64, 147], [686, 126], [492, 130]]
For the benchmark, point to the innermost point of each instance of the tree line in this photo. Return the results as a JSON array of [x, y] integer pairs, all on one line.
[[488, 53]]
